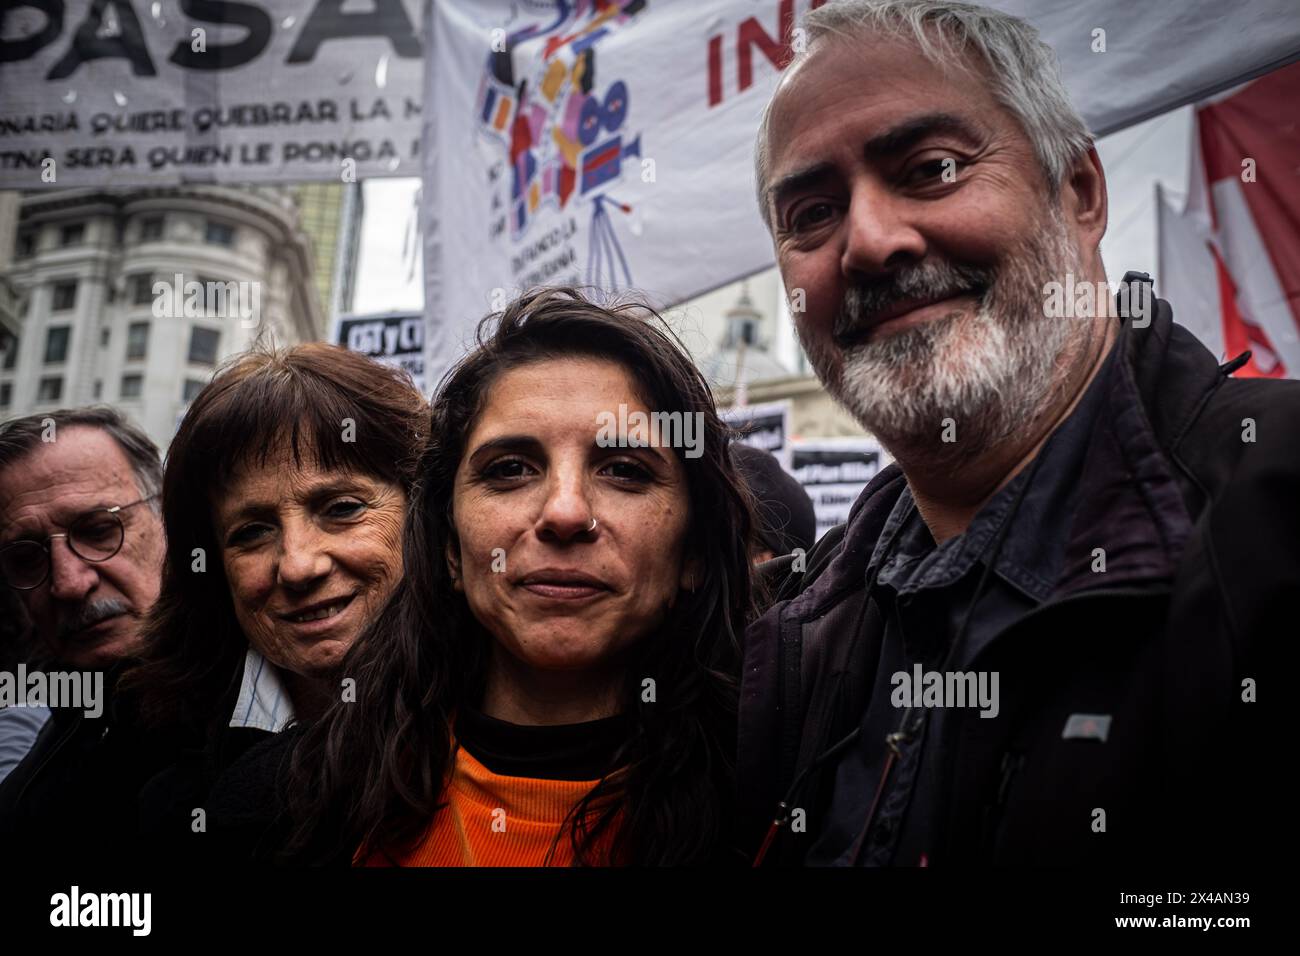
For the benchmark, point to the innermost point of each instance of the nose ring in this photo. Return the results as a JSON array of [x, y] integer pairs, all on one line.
[[593, 525]]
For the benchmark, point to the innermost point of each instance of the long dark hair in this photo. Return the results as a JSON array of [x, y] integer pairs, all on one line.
[[262, 399], [371, 773]]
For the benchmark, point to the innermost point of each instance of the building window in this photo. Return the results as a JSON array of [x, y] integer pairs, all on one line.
[[203, 345], [72, 234], [99, 388], [192, 388], [142, 289], [103, 337], [56, 343], [219, 234], [49, 389], [132, 386], [221, 297], [151, 228], [9, 346], [137, 340], [65, 296], [6, 394], [26, 245]]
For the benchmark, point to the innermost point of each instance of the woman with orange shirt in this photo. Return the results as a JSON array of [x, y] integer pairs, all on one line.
[[554, 680]]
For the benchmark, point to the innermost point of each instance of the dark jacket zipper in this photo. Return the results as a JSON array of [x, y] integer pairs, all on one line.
[[1012, 763]]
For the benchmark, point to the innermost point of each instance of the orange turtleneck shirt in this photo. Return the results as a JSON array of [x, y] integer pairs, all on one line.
[[494, 820], [510, 789]]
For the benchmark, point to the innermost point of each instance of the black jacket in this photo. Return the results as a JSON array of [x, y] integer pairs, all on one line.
[[171, 829], [110, 789], [74, 796], [1202, 530]]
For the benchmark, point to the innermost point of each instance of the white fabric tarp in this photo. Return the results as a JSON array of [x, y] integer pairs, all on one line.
[[613, 147]]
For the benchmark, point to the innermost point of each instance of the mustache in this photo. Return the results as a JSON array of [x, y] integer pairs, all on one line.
[[927, 280], [90, 614]]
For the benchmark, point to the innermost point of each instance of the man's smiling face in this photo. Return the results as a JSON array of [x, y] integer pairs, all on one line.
[[910, 209]]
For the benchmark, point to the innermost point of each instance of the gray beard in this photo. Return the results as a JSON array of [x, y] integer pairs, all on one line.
[[990, 372]]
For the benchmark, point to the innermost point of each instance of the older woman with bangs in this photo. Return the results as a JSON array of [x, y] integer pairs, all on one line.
[[554, 680], [284, 496]]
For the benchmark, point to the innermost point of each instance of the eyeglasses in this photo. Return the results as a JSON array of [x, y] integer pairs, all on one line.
[[94, 536]]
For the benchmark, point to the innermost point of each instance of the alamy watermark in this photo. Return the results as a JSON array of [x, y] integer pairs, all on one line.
[[75, 908], [1085, 299], [211, 298], [922, 688], [75, 690], [639, 429]]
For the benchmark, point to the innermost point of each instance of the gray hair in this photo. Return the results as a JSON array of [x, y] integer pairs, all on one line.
[[19, 436], [1026, 81]]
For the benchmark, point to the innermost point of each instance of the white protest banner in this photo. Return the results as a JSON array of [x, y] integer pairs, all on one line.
[[391, 338], [589, 145], [143, 92], [765, 426], [611, 144], [834, 471]]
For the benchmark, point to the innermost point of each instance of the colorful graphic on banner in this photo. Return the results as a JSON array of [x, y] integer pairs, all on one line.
[[560, 121], [395, 339], [834, 471], [172, 91]]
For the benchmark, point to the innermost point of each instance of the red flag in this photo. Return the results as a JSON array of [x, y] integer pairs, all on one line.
[[1230, 261]]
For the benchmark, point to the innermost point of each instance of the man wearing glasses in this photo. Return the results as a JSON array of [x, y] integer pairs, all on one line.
[[81, 549]]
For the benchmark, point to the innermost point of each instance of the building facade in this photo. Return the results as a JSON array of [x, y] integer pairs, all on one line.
[[10, 202], [330, 214], [743, 340], [133, 298]]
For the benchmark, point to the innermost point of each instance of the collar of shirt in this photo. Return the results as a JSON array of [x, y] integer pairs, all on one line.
[[1032, 554], [263, 701]]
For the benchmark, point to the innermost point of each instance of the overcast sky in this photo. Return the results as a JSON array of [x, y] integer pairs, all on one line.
[[389, 267], [1134, 159]]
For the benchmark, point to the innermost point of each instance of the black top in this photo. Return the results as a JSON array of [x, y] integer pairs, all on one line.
[[584, 751], [73, 797]]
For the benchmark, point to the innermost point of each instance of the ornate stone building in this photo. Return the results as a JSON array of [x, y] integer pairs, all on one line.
[[235, 268]]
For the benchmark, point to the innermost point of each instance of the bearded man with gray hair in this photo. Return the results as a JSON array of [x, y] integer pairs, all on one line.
[[1037, 638]]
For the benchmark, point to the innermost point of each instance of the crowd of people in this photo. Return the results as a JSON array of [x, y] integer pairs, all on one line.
[[346, 626]]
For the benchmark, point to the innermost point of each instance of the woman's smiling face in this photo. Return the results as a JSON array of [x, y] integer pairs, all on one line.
[[310, 554], [555, 592]]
